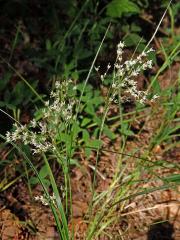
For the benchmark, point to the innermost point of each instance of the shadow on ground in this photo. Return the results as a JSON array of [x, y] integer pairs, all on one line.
[[160, 230]]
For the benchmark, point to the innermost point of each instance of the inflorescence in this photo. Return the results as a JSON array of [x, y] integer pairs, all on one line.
[[59, 110], [125, 72], [41, 134]]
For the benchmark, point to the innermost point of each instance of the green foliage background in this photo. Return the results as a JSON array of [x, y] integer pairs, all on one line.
[[49, 39]]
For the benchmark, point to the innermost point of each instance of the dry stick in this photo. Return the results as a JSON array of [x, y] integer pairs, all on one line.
[[10, 116], [161, 205], [92, 66]]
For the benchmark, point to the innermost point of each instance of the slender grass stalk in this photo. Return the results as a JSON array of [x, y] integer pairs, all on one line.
[[146, 191], [58, 200], [175, 52], [68, 32], [157, 28], [90, 70], [97, 154], [14, 43], [22, 78], [58, 212], [62, 231], [146, 159]]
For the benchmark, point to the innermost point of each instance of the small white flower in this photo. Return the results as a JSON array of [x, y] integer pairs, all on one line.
[[43, 127], [120, 72], [57, 84], [108, 66], [143, 54], [113, 85], [154, 97], [119, 53], [8, 137], [44, 200], [150, 50], [102, 77], [33, 123], [47, 103], [121, 45], [134, 73], [97, 68]]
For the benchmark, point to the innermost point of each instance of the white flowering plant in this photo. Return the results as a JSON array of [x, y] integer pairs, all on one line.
[[51, 135], [55, 134], [125, 73], [56, 116], [59, 111]]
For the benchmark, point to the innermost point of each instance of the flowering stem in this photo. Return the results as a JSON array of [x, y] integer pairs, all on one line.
[[58, 199], [98, 150]]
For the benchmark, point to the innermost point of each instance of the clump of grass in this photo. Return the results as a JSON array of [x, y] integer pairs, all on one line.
[[45, 136], [55, 134]]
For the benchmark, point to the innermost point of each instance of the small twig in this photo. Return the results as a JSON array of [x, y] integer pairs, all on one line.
[[150, 208], [97, 171]]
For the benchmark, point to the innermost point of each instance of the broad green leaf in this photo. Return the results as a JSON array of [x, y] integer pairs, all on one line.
[[87, 152], [46, 182], [85, 136], [76, 129], [94, 143], [75, 162], [135, 28], [96, 100], [85, 121], [90, 109], [75, 75], [133, 39], [125, 130], [97, 120], [117, 8], [95, 133], [87, 97], [109, 133], [5, 104], [33, 180]]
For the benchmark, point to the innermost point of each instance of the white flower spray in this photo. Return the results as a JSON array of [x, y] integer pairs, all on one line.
[[125, 72], [59, 111], [41, 135], [44, 200]]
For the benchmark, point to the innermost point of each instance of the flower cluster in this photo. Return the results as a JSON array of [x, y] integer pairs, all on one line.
[[41, 134], [125, 72], [37, 140], [44, 199], [62, 105]]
